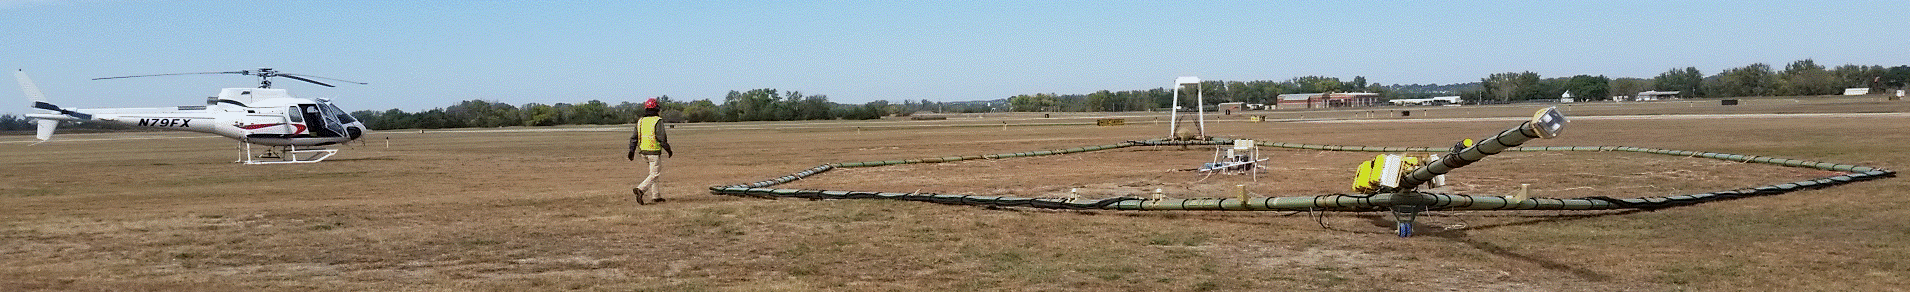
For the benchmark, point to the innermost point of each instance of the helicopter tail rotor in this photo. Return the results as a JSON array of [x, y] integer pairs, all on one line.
[[46, 123], [39, 99], [48, 106]]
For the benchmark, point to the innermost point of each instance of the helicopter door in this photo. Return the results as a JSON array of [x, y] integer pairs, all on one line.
[[334, 119], [293, 115], [320, 124]]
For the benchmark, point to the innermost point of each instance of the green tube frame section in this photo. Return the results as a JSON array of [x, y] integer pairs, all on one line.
[[1330, 202], [1497, 144]]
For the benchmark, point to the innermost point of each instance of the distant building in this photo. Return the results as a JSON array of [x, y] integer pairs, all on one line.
[[1438, 100], [1352, 99], [1296, 100], [1655, 95], [1857, 91], [1228, 108], [1327, 100]]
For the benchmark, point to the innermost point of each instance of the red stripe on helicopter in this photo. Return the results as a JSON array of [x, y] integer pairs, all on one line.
[[300, 128]]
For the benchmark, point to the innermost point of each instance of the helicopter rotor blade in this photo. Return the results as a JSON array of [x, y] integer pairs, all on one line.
[[295, 77], [264, 73], [326, 78], [167, 74]]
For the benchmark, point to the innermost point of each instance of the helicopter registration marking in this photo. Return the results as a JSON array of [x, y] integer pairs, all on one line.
[[165, 122]]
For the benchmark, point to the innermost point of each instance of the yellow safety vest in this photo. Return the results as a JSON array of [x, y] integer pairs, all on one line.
[[647, 131]]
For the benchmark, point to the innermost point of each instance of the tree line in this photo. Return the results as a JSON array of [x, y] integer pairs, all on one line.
[[754, 105], [1213, 91], [1800, 78], [1803, 77]]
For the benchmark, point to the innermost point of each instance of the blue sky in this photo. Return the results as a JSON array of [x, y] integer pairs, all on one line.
[[419, 55]]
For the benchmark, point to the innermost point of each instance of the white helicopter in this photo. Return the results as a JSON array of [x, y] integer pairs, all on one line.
[[291, 126]]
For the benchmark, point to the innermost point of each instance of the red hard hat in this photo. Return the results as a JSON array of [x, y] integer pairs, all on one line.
[[650, 104]]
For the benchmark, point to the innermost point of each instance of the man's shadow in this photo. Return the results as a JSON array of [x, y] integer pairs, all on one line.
[[1459, 235]]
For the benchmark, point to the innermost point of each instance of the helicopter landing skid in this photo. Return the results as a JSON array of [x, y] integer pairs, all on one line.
[[283, 154]]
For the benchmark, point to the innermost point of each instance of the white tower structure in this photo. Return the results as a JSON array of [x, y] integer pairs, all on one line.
[[1200, 99]]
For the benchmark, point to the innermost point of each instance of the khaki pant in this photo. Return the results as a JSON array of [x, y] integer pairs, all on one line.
[[649, 184]]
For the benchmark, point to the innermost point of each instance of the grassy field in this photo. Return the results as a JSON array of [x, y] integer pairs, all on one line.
[[516, 209]]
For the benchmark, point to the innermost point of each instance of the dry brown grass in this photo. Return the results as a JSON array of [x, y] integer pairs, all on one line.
[[551, 211]]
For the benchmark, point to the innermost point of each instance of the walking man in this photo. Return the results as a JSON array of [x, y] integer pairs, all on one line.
[[650, 141]]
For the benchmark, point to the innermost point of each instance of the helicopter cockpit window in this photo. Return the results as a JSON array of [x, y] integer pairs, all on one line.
[[291, 113], [333, 110]]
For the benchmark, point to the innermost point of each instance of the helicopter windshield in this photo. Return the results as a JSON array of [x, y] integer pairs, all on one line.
[[332, 110]]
